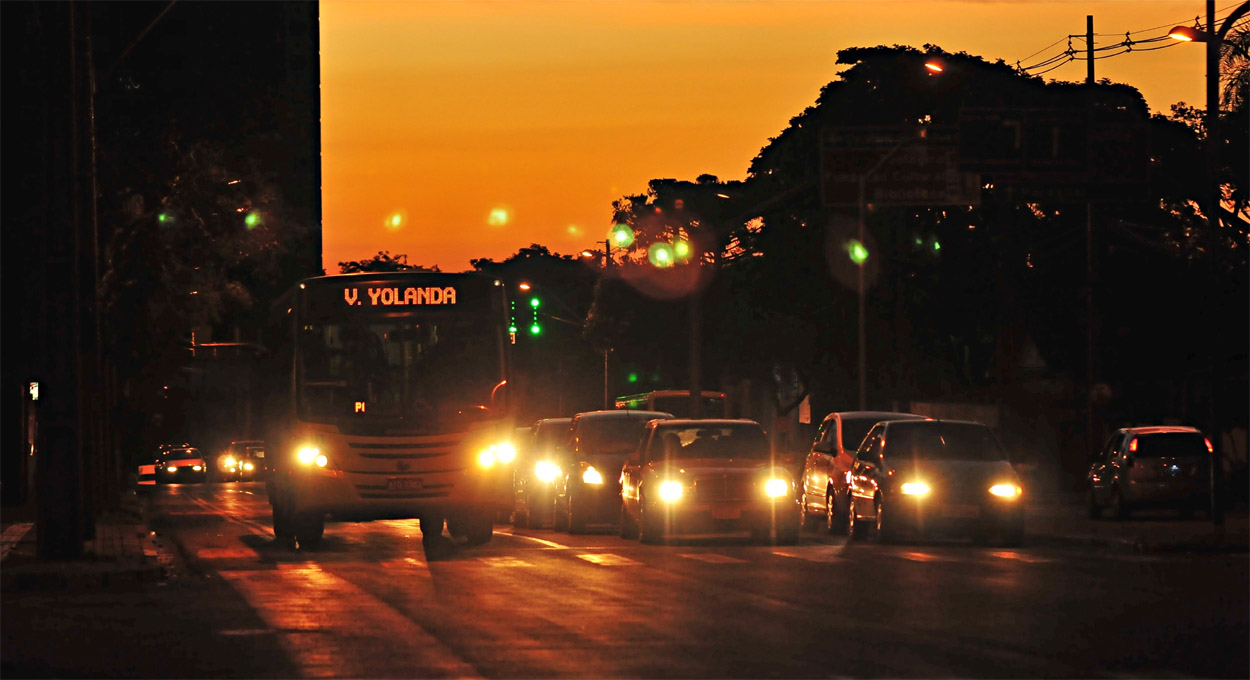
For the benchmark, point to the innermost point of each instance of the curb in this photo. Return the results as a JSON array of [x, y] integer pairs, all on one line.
[[67, 575]]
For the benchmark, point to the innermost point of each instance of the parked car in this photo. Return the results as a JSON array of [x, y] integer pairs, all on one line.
[[825, 473], [183, 464], [537, 468], [935, 477], [588, 490], [242, 461], [707, 476], [1151, 467]]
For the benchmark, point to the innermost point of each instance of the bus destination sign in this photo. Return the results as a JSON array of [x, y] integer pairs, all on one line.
[[396, 296]]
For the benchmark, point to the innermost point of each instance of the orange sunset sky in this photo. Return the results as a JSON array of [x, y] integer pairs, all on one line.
[[438, 115]]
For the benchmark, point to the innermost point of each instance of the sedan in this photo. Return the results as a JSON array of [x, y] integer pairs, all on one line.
[[707, 476], [935, 477], [181, 465]]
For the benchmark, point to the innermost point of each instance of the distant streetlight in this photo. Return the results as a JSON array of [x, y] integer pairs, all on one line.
[[935, 65], [1213, 38]]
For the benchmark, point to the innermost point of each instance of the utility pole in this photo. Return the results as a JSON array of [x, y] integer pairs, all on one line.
[[1090, 336]]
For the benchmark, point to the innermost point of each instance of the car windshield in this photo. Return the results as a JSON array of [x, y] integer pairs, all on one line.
[[679, 405], [1170, 445], [854, 430], [551, 435], [932, 440], [610, 436], [182, 454], [723, 441]]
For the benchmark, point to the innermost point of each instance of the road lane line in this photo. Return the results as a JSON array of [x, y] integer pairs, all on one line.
[[921, 557], [608, 560], [1021, 557], [549, 544], [253, 526], [713, 558], [332, 628], [12, 536], [504, 562], [823, 554]]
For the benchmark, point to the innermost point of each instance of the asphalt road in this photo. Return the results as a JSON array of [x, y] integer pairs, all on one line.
[[540, 604]]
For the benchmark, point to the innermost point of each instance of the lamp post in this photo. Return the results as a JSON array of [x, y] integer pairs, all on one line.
[[1213, 37]]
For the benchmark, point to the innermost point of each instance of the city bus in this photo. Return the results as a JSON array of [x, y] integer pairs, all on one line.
[[387, 398], [677, 402]]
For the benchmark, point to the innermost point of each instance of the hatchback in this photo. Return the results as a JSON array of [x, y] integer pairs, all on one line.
[[1151, 467]]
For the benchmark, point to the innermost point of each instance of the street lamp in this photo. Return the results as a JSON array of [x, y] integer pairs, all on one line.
[[1211, 120]]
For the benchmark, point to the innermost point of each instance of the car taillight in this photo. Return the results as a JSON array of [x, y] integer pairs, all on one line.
[[1210, 449], [1132, 446]]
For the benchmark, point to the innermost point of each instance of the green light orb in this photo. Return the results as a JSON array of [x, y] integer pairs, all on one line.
[[622, 236], [857, 252], [536, 329], [681, 249], [534, 302], [937, 246], [633, 377], [252, 219], [661, 255]]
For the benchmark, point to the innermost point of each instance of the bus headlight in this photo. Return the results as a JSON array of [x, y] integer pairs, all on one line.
[[670, 491], [915, 489], [308, 455], [1008, 491], [592, 476], [496, 453], [776, 488]]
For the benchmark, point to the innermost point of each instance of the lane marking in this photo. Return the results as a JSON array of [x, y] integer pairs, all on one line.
[[921, 557], [713, 558], [608, 560], [255, 527], [549, 544], [504, 562], [227, 554], [1021, 557], [332, 628], [823, 554], [12, 535]]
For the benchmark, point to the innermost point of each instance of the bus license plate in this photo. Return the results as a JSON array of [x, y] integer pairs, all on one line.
[[403, 483]]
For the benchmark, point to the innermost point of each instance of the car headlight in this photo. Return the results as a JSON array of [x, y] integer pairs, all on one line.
[[546, 471], [172, 468], [915, 489], [248, 466], [308, 455], [1009, 491], [670, 491], [229, 462], [197, 468], [592, 476], [776, 488]]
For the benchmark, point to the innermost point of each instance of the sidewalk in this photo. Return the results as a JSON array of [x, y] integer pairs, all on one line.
[[123, 553]]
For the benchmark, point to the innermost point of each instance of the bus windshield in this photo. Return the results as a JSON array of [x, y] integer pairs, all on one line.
[[415, 369]]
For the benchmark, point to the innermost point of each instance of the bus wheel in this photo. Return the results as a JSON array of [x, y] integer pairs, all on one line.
[[432, 535], [475, 528], [308, 529]]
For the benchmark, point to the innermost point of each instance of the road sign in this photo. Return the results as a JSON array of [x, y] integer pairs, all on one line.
[[899, 166]]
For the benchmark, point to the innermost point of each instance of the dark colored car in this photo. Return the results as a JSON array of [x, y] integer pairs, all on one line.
[[588, 491], [707, 476], [536, 471], [825, 475], [1151, 467], [242, 461], [935, 477], [184, 464]]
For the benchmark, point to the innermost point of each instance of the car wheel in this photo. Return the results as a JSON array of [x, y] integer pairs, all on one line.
[[629, 528], [1119, 509], [810, 521], [309, 529], [786, 530], [887, 531], [559, 520], [576, 520], [835, 524], [652, 529], [857, 530], [282, 530], [1095, 510]]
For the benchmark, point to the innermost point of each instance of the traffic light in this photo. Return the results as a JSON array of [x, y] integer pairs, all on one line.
[[252, 220], [535, 327], [857, 252], [661, 255]]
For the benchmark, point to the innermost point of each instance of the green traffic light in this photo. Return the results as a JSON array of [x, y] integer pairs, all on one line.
[[536, 329], [857, 252], [252, 219], [534, 302], [164, 218], [633, 377]]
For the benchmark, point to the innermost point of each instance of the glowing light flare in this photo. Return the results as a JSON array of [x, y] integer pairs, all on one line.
[[499, 216], [935, 66], [857, 252], [307, 454], [252, 220], [592, 476], [622, 236], [670, 491], [681, 250], [396, 220], [915, 489], [546, 471], [661, 255], [1006, 490], [776, 488]]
